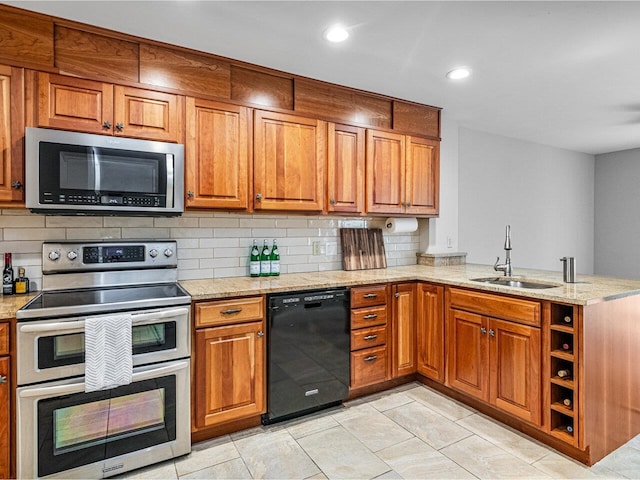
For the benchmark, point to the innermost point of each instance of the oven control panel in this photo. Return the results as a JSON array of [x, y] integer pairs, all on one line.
[[107, 255]]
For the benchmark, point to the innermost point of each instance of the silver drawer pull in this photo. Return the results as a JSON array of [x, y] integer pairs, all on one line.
[[231, 311], [370, 337], [370, 316], [3, 379], [370, 295], [371, 358]]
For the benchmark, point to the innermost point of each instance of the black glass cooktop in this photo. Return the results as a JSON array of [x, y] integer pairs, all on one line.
[[98, 300]]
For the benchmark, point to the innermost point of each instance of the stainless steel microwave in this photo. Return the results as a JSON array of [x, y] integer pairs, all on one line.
[[69, 173]]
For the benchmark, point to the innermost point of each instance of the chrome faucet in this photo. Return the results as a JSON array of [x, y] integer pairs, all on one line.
[[506, 266]]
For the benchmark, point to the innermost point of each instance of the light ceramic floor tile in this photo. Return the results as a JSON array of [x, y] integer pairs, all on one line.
[[374, 429], [340, 455], [446, 407], [275, 454], [559, 466], [484, 460], [415, 459], [625, 461], [510, 441], [308, 426], [390, 475], [235, 469], [160, 470], [427, 425], [317, 476], [391, 401], [206, 454]]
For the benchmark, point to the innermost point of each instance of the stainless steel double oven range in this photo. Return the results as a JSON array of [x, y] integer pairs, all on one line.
[[62, 430]]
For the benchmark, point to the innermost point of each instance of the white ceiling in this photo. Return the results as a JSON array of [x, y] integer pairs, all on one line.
[[565, 74]]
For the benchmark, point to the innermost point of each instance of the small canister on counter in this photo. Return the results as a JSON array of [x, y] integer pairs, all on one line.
[[568, 269]]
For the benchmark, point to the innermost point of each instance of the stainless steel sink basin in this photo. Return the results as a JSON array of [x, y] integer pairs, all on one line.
[[514, 282]]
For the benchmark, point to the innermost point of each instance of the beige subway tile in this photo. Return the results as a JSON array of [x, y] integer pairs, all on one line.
[[217, 222], [191, 233], [219, 242], [177, 222], [147, 233], [302, 232], [22, 221], [258, 223], [34, 246], [195, 274], [230, 252], [134, 222], [195, 253], [299, 250], [231, 232], [324, 223], [292, 223], [266, 233], [93, 233], [33, 234], [187, 243], [76, 221], [325, 267], [231, 272], [297, 268], [188, 264]]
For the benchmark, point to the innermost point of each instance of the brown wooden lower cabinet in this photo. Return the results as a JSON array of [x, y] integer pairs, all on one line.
[[403, 326], [369, 366], [430, 331], [5, 402], [229, 363]]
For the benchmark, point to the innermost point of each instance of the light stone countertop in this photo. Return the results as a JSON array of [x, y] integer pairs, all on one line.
[[588, 290]]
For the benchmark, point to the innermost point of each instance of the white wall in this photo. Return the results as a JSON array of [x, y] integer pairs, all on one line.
[[617, 221], [546, 194]]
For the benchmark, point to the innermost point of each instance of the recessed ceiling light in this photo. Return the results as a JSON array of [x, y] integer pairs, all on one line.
[[336, 34], [459, 73]]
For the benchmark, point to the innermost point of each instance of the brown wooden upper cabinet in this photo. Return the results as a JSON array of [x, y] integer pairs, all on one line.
[[217, 161], [11, 135], [403, 174], [289, 162], [72, 103], [345, 168]]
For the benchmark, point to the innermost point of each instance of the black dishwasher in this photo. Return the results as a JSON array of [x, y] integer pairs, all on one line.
[[308, 354]]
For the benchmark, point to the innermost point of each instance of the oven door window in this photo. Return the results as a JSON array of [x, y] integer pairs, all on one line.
[[84, 428], [60, 350]]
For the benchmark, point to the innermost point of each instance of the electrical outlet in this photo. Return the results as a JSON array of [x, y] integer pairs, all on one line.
[[449, 242], [317, 248]]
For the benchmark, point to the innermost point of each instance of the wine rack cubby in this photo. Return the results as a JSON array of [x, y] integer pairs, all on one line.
[[563, 343]]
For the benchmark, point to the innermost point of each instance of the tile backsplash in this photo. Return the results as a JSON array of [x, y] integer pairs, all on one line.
[[210, 245]]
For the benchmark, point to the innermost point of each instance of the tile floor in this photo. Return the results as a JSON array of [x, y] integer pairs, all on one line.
[[409, 432]]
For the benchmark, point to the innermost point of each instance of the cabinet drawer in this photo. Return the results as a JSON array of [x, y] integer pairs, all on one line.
[[368, 337], [225, 312], [368, 317], [368, 366], [515, 309], [4, 339], [368, 296]]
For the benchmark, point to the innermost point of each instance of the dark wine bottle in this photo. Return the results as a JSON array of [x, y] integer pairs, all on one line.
[[567, 403], [564, 373], [567, 319], [566, 347], [7, 276], [569, 429]]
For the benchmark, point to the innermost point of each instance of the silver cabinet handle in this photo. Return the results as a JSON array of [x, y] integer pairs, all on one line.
[[397, 295], [370, 316], [370, 337], [483, 330], [260, 334], [3, 379], [16, 184], [258, 196], [370, 295], [190, 194], [106, 124], [120, 126], [370, 358], [492, 333], [231, 311]]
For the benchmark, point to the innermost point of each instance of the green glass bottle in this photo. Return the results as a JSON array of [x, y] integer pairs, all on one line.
[[275, 259], [254, 260], [265, 264]]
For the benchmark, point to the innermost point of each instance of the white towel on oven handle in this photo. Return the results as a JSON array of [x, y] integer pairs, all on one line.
[[108, 352]]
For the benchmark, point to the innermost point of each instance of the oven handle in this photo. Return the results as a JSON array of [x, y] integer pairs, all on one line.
[[79, 387], [79, 324]]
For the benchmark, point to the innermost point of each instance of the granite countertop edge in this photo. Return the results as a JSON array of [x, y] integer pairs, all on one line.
[[589, 289]]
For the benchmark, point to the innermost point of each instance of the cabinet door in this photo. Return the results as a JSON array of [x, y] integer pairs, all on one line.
[[515, 369], [468, 355], [11, 134], [230, 378], [403, 325], [5, 417], [148, 114], [216, 155], [430, 326], [345, 169], [385, 182], [423, 176], [289, 160], [71, 103]]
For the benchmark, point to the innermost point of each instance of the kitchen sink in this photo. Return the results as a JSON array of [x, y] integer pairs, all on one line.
[[515, 282]]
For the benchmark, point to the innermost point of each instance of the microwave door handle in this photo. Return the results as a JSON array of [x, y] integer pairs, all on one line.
[[54, 327], [170, 181], [58, 390], [96, 169]]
